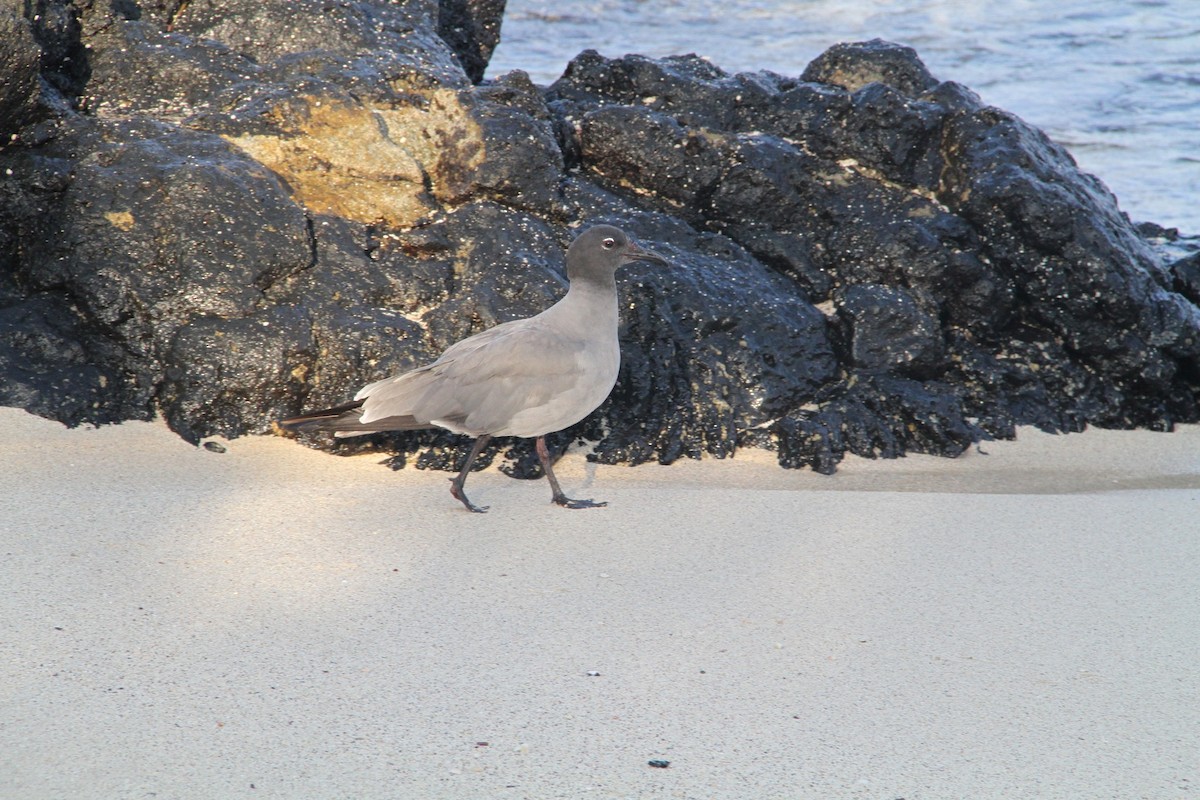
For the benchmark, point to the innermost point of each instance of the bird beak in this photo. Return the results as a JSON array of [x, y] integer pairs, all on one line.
[[635, 252]]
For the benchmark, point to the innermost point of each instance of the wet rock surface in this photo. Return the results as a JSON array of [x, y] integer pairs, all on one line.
[[227, 212]]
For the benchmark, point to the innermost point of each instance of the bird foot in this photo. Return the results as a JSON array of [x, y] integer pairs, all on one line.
[[567, 502], [461, 497]]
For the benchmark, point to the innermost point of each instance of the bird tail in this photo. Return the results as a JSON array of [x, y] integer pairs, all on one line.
[[346, 420]]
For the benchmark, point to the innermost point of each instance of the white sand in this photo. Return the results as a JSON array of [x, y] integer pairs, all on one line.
[[274, 622]]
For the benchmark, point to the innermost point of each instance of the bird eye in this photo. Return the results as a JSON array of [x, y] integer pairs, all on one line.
[[609, 243]]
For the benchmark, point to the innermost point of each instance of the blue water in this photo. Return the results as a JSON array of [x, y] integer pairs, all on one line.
[[1117, 82]]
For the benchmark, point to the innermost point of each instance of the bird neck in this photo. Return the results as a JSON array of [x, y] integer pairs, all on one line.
[[597, 284], [590, 304], [593, 291]]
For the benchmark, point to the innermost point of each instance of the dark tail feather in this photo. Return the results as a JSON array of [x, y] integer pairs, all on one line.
[[344, 420], [328, 419]]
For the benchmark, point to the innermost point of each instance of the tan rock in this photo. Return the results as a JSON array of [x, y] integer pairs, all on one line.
[[370, 163]]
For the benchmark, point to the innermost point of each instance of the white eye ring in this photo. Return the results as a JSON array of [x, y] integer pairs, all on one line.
[[609, 243]]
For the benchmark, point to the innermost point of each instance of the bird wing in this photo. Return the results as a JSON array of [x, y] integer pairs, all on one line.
[[479, 385]]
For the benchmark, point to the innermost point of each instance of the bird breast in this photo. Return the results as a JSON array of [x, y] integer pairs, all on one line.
[[552, 405]]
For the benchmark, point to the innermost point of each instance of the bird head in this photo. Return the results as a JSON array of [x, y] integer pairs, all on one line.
[[601, 250]]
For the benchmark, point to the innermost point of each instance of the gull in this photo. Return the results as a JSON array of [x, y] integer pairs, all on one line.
[[526, 378]]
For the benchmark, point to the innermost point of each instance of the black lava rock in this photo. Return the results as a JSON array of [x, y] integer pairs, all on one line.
[[1185, 274], [472, 29], [887, 329], [225, 212], [854, 65], [20, 74], [959, 246]]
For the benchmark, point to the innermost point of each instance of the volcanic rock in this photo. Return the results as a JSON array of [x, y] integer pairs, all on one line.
[[226, 212]]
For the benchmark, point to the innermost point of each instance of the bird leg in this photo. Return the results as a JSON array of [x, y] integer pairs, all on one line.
[[456, 484], [559, 497]]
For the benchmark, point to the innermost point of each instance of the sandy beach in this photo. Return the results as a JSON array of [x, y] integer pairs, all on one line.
[[275, 622]]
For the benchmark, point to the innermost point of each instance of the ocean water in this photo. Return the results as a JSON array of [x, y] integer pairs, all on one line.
[[1115, 81]]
